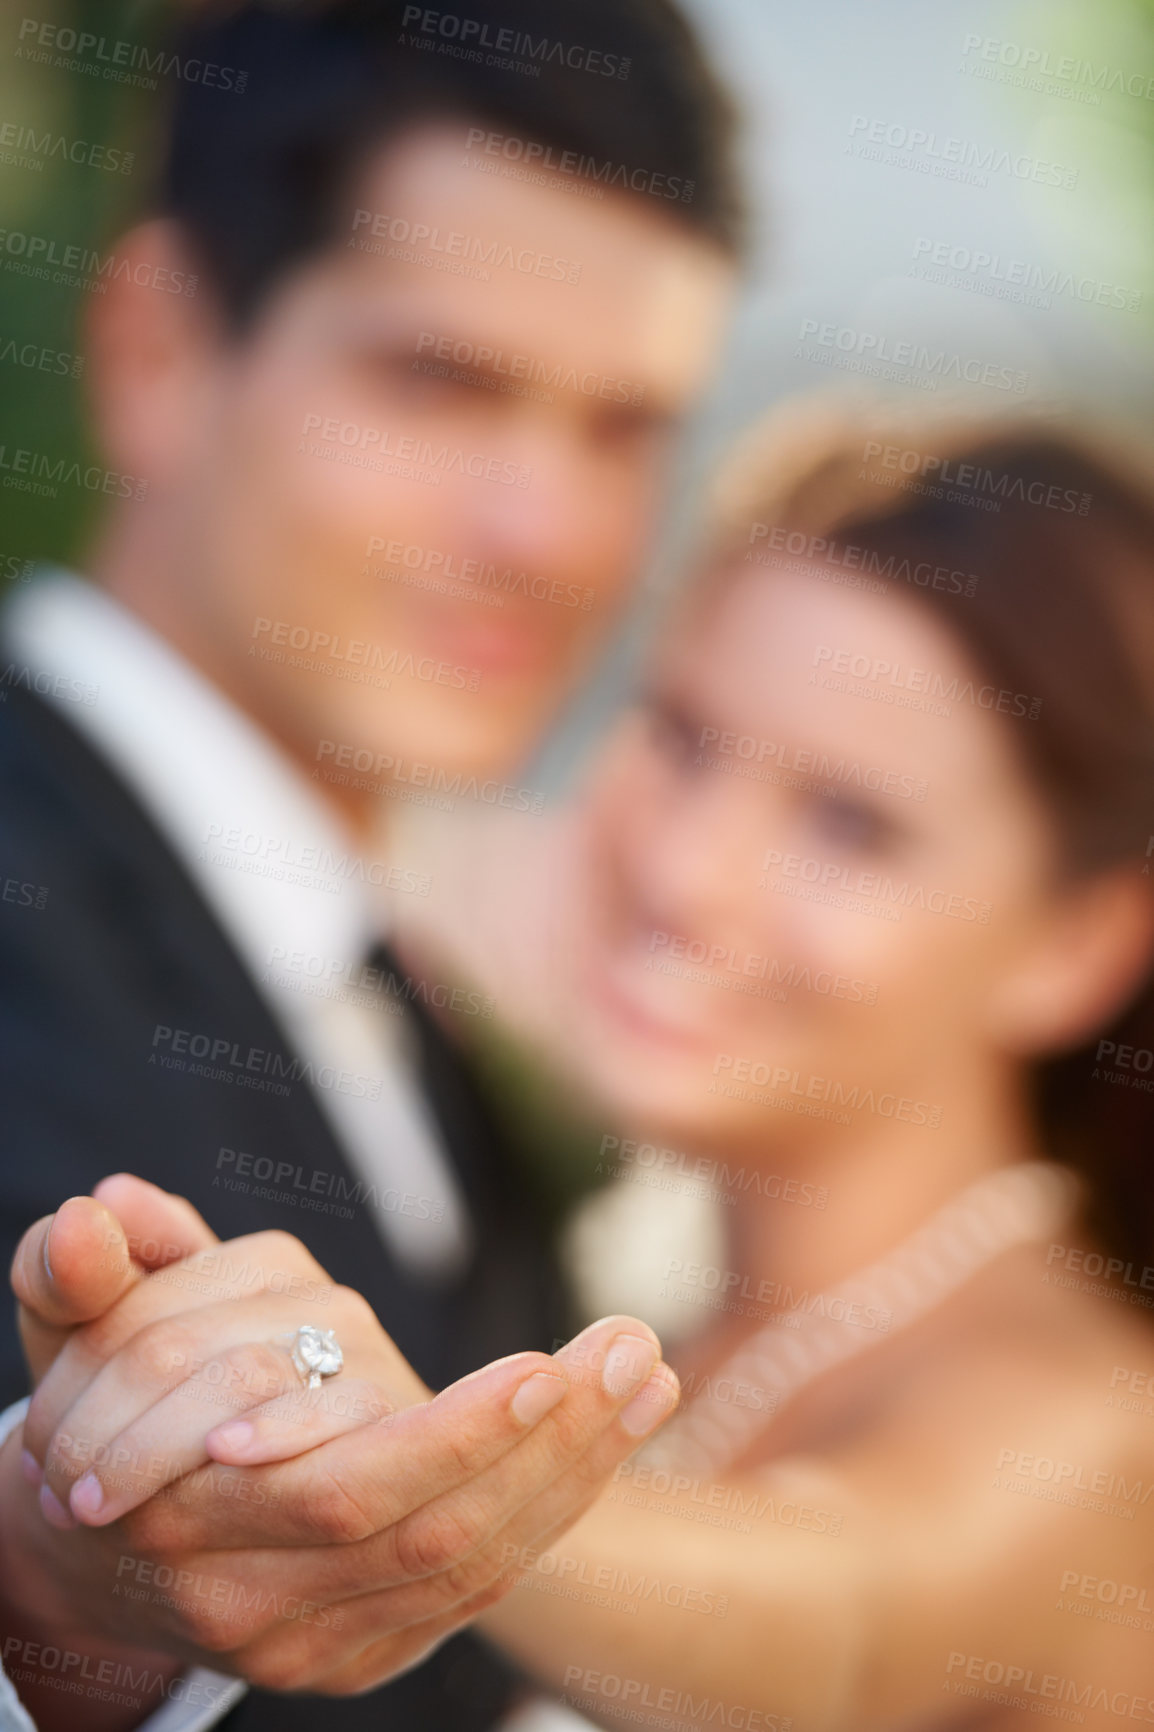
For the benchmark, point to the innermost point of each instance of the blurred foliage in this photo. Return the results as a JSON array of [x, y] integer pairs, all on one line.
[[1096, 110], [71, 204]]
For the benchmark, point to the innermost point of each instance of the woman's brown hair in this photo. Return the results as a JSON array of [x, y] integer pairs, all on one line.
[[1036, 542]]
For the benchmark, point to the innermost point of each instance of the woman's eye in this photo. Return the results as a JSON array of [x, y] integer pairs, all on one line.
[[673, 735], [849, 824]]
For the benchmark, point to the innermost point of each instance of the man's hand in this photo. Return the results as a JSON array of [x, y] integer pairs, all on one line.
[[335, 1569]]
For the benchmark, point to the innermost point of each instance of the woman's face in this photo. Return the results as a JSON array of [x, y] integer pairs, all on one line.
[[809, 887]]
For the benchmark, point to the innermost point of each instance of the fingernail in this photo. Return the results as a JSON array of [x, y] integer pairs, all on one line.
[[628, 1362], [44, 1253], [536, 1396], [234, 1437], [54, 1511], [87, 1497], [31, 1469], [655, 1402]]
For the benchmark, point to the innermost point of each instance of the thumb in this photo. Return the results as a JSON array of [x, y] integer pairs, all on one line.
[[71, 1267]]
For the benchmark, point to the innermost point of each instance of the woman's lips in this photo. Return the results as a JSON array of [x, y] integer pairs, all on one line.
[[639, 997]]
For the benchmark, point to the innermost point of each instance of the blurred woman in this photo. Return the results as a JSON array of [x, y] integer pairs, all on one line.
[[865, 947]]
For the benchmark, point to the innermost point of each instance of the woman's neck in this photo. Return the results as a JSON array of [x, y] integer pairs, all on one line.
[[881, 1182]]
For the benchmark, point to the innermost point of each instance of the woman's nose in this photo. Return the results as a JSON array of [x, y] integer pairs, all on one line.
[[696, 861]]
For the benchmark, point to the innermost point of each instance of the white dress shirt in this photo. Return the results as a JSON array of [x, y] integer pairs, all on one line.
[[285, 883], [227, 799]]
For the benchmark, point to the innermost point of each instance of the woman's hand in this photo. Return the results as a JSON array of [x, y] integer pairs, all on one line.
[[333, 1570]]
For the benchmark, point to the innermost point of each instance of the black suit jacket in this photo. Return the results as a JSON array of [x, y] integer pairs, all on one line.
[[103, 939]]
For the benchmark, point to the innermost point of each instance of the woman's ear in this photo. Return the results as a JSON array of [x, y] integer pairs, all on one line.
[[1092, 948]]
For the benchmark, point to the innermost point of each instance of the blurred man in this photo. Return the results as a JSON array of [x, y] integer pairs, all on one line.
[[384, 390]]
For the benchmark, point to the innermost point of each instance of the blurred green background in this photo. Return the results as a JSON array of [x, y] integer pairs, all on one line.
[[71, 204]]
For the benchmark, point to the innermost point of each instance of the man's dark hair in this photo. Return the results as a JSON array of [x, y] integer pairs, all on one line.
[[264, 148]]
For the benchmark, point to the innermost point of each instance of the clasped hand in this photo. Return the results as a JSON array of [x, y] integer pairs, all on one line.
[[309, 1539]]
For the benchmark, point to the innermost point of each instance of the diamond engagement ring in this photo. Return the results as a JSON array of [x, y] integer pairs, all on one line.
[[316, 1354]]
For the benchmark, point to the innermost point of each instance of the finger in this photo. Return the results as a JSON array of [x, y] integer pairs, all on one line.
[[220, 1356], [262, 1590], [418, 1615], [160, 1227], [374, 1478], [472, 1557], [293, 1423], [168, 1440], [243, 1268], [74, 1265]]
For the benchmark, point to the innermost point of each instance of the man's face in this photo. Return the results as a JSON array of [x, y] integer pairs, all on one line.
[[424, 478]]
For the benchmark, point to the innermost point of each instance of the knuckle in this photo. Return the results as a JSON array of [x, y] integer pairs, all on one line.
[[335, 1514], [283, 1251], [360, 1312], [251, 1370], [470, 1451], [432, 1540], [161, 1353], [568, 1435]]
